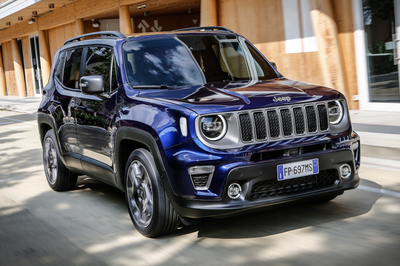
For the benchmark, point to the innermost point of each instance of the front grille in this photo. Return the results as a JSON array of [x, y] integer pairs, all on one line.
[[261, 128], [311, 119], [299, 121], [245, 127], [283, 123], [273, 121], [323, 117], [274, 188], [286, 122]]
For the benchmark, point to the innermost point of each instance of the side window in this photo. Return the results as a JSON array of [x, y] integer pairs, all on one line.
[[98, 62], [60, 66], [71, 69]]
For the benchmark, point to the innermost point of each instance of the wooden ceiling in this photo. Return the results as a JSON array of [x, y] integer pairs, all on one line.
[[40, 7], [153, 7]]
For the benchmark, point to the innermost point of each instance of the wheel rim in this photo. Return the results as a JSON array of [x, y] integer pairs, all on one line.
[[50, 161], [140, 194]]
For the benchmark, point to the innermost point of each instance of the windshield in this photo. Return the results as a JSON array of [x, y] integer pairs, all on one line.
[[192, 60]]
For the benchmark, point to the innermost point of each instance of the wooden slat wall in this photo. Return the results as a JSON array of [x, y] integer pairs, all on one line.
[[28, 66], [58, 35], [344, 19], [261, 22], [12, 88]]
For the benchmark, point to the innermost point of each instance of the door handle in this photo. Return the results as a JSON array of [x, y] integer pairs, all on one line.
[[80, 107]]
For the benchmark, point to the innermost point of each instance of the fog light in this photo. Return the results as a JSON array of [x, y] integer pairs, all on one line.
[[234, 190], [345, 171]]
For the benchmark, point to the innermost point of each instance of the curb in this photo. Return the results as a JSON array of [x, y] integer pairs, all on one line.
[[381, 152]]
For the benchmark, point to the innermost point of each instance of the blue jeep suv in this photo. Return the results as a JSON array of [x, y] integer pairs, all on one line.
[[189, 124]]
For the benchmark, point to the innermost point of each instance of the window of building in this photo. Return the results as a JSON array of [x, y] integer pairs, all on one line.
[[299, 34]]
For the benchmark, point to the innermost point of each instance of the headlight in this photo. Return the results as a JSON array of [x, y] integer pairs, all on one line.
[[335, 111], [213, 127]]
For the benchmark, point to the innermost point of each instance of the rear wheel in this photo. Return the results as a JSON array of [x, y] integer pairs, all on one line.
[[148, 204], [58, 176]]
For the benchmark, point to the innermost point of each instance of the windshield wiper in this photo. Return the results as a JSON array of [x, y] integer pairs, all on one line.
[[151, 87]]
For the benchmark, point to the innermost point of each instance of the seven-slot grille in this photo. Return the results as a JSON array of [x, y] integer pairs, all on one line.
[[284, 122]]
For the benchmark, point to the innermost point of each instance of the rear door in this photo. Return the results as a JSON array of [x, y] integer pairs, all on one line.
[[62, 108]]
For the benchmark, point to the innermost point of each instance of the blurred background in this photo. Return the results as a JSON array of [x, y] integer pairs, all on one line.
[[349, 45]]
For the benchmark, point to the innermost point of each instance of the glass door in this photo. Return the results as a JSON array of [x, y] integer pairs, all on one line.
[[382, 35], [37, 73]]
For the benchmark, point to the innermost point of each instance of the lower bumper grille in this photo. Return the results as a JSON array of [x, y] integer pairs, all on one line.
[[274, 188]]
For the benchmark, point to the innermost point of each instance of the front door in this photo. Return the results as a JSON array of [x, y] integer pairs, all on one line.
[[37, 74], [382, 34], [94, 116]]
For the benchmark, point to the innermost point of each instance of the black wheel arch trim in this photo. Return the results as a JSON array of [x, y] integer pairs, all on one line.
[[143, 137], [49, 121]]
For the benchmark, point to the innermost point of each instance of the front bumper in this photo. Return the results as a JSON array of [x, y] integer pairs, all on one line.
[[249, 175]]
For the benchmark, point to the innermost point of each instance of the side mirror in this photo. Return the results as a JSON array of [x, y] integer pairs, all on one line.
[[92, 84], [274, 65]]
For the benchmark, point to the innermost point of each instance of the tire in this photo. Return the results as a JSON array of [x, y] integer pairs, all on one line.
[[148, 204], [59, 177]]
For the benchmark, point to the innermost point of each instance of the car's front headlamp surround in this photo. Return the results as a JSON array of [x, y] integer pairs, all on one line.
[[335, 112], [213, 127]]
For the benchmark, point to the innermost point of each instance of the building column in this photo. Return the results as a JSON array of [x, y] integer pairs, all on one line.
[[125, 26], [79, 27], [45, 63], [19, 72], [328, 45], [208, 13], [2, 79]]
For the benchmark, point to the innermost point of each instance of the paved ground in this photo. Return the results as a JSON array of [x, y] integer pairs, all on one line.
[[90, 225]]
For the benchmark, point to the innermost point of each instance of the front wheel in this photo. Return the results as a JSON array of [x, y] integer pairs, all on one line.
[[148, 204]]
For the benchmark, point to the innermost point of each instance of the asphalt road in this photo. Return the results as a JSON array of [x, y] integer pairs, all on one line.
[[91, 226]]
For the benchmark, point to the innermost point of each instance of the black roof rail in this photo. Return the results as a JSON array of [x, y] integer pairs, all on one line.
[[115, 34], [207, 28]]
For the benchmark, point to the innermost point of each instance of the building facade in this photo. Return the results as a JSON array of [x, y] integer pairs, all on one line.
[[349, 45]]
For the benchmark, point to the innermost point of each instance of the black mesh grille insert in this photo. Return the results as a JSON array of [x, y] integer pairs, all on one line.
[[286, 122], [299, 120], [274, 188], [273, 124], [323, 117], [246, 127], [259, 122], [311, 119], [200, 180]]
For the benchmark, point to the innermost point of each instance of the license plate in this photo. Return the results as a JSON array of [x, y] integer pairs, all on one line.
[[297, 169]]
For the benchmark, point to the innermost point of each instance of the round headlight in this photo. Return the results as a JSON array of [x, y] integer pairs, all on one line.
[[335, 111], [213, 127]]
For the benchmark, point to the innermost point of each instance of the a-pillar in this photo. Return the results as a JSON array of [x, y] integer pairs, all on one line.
[[2, 80], [45, 63], [19, 71], [125, 26], [79, 27], [208, 13], [326, 32]]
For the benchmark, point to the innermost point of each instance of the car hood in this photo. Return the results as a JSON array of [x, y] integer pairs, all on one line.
[[225, 97]]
